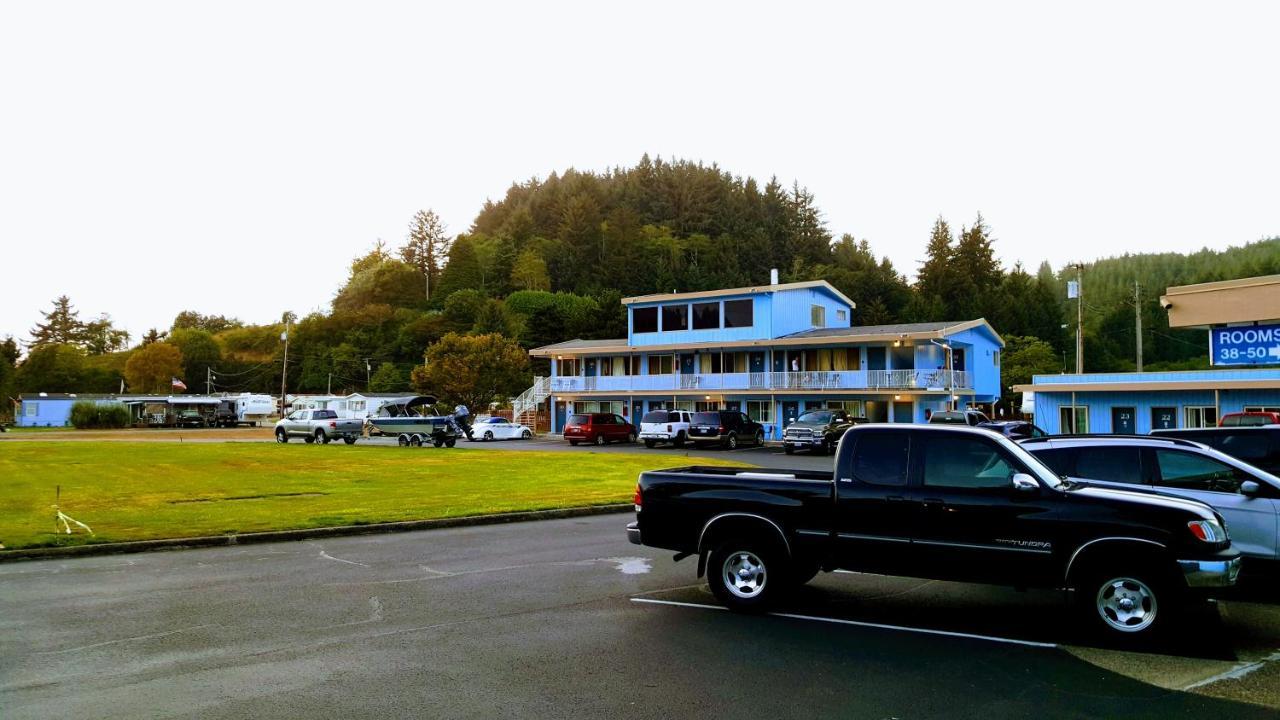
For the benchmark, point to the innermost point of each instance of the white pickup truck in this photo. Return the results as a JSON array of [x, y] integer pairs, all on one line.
[[319, 426]]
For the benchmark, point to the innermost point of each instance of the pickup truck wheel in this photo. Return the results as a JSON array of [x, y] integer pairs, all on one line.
[[282, 437], [308, 439], [788, 450], [1125, 603], [759, 438], [745, 576], [731, 443], [679, 439], [321, 437], [349, 440], [650, 443]]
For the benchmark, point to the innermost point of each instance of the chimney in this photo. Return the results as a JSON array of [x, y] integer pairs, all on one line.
[[773, 276]]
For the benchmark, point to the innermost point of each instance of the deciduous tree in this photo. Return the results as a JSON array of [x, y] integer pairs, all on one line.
[[475, 370], [151, 368]]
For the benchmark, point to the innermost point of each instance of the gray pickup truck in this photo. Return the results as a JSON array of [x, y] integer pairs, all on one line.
[[319, 426]]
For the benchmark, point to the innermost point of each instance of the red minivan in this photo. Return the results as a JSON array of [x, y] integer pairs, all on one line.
[[598, 428]]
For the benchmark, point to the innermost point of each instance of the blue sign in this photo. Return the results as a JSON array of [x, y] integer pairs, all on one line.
[[1247, 345]]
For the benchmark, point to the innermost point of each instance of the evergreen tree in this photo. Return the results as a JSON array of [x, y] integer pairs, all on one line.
[[61, 325], [426, 247], [463, 270], [100, 336]]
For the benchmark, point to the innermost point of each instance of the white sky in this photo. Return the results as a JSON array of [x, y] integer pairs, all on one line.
[[168, 156]]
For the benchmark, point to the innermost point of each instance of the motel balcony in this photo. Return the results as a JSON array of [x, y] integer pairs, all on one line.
[[870, 380]]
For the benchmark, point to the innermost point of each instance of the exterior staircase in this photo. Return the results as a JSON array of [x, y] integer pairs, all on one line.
[[524, 408]]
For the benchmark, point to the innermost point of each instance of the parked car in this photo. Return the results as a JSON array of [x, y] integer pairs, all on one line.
[[598, 428], [726, 428], [500, 428], [660, 426], [225, 415], [938, 502], [1249, 419], [1013, 429], [191, 418], [968, 417], [1258, 446], [1249, 498], [320, 426], [817, 431]]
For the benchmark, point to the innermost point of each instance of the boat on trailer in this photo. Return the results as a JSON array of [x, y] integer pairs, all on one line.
[[412, 421]]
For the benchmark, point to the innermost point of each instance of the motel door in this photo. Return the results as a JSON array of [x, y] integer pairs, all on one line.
[[757, 362], [686, 364], [560, 416], [591, 367], [1164, 418], [1123, 421], [790, 411]]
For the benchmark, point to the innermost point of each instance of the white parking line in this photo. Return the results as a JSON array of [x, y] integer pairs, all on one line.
[[859, 623]]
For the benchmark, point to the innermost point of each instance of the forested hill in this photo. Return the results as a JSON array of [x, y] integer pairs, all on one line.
[[551, 260]]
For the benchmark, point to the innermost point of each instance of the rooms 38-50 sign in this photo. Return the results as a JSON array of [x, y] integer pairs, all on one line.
[[1249, 345]]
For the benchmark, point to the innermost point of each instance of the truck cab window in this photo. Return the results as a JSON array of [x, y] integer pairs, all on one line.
[[964, 462], [881, 458]]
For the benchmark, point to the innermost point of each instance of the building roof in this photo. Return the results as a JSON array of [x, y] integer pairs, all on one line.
[[753, 290], [817, 336], [1244, 300], [64, 396], [1259, 379]]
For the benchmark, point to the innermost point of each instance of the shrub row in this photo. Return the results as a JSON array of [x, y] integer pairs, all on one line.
[[87, 415]]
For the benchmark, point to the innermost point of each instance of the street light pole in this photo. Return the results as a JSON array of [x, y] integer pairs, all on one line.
[[284, 371], [1079, 318]]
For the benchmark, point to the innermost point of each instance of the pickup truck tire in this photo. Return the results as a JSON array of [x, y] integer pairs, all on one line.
[[679, 439], [1121, 601], [321, 437], [746, 575], [650, 444], [349, 440], [282, 437], [759, 438], [789, 450], [308, 439]]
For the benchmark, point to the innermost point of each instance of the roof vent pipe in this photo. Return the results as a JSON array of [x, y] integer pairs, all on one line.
[[773, 276]]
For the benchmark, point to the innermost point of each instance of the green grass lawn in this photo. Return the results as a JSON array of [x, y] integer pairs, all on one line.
[[148, 490]]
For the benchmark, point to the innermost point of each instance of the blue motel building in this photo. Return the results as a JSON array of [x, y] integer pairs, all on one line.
[[772, 352]]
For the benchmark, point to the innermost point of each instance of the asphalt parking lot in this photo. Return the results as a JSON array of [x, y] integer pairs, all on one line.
[[567, 619]]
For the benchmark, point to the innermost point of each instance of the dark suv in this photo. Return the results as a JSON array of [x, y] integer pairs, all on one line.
[[817, 430], [1258, 446], [725, 428]]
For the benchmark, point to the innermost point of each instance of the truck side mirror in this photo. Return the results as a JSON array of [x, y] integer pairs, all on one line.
[[1024, 483], [1250, 488]]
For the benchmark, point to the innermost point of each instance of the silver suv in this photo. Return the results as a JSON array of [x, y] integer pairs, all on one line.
[[1247, 498]]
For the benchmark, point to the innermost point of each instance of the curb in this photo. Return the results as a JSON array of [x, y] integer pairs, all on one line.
[[287, 535]]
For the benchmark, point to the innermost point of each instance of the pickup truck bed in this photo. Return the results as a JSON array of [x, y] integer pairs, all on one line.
[[936, 501]]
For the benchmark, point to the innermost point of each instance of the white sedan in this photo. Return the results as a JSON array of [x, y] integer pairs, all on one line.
[[497, 428]]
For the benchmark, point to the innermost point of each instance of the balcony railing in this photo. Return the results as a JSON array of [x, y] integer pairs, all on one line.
[[937, 380]]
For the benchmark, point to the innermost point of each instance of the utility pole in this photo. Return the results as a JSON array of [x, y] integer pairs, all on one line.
[[1137, 321], [284, 370], [1079, 318], [328, 388], [208, 380], [368, 378]]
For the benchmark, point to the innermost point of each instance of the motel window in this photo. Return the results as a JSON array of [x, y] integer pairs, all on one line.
[[606, 367], [675, 317], [759, 410], [842, 317], [738, 314], [706, 316], [567, 368], [817, 316], [661, 364], [708, 406], [635, 365], [1073, 420], [644, 320], [1199, 416], [685, 405]]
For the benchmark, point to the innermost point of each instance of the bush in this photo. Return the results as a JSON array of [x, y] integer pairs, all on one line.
[[89, 415]]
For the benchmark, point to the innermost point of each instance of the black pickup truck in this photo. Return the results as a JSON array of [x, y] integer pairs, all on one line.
[[943, 502]]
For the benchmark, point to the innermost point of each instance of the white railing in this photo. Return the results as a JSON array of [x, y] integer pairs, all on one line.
[[937, 380], [524, 407]]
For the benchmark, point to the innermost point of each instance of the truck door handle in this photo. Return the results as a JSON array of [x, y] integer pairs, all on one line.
[[934, 503], [895, 499]]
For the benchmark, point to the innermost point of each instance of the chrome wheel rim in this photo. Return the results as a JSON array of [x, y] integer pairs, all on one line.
[[1126, 604], [599, 439], [733, 442], [744, 574], [279, 437], [488, 434]]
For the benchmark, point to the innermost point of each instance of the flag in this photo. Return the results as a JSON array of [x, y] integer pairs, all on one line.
[[178, 384], [1073, 289]]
